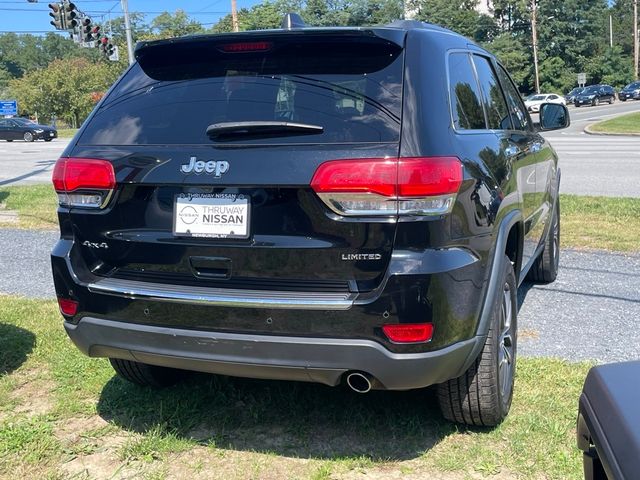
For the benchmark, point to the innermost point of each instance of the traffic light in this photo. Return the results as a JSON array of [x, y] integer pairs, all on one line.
[[70, 15], [86, 30], [56, 13], [95, 33], [106, 47]]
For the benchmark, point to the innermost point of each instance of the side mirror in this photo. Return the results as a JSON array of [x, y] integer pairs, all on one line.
[[553, 116]]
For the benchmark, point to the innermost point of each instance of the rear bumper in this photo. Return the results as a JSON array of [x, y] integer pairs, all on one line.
[[321, 360]]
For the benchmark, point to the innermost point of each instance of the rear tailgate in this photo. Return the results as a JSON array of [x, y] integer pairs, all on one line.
[[238, 211]]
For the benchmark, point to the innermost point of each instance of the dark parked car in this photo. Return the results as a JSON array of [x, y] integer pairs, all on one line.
[[302, 211], [595, 95], [608, 420], [631, 91], [571, 96], [23, 129]]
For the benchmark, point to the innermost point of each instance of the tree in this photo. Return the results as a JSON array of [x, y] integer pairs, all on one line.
[[460, 16], [64, 89], [116, 28], [516, 58], [167, 25]]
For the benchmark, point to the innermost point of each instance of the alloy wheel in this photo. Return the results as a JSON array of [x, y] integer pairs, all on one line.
[[506, 348]]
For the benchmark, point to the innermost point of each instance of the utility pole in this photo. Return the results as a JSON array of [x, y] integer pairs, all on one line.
[[635, 39], [534, 39], [127, 28], [234, 15], [610, 31]]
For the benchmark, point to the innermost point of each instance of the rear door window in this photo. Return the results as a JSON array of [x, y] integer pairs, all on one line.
[[350, 86], [492, 97], [466, 109]]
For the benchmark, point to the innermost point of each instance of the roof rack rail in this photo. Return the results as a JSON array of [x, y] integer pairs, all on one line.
[[292, 20]]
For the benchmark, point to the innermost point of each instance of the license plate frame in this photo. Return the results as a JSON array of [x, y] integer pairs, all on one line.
[[201, 215]]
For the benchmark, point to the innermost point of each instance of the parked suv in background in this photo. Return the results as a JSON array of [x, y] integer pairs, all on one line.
[[291, 204], [595, 95], [631, 91]]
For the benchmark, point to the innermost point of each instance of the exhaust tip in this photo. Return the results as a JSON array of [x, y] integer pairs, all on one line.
[[359, 382]]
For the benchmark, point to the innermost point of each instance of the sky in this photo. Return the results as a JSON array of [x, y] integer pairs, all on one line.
[[22, 16]]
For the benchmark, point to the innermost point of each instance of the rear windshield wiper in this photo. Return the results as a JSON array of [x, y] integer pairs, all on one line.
[[261, 128]]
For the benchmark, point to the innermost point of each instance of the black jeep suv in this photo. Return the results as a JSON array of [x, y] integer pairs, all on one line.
[[292, 204]]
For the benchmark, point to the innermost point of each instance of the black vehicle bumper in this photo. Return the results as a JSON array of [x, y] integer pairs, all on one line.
[[247, 334], [321, 360]]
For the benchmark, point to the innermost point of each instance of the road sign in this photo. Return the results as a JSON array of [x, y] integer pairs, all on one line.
[[582, 79], [8, 107], [115, 56]]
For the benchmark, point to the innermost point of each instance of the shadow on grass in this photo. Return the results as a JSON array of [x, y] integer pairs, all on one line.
[[15, 345], [285, 418]]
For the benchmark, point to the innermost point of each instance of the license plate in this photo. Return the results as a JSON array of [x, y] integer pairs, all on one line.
[[211, 215], [51, 134]]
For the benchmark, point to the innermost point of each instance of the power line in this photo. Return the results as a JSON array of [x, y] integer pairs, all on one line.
[[39, 10]]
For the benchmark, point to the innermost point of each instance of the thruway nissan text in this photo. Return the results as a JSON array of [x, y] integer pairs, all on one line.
[[297, 204]]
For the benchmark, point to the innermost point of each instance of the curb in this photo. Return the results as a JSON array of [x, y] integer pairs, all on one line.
[[588, 131]]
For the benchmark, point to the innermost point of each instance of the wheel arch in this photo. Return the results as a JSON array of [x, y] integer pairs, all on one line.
[[509, 242]]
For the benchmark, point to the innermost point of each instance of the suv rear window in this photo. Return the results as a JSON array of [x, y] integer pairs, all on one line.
[[349, 85]]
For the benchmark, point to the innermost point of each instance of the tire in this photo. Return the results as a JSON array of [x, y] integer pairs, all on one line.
[[623, 99], [482, 395], [611, 101], [28, 137], [545, 267], [48, 139], [144, 374], [596, 102], [9, 140]]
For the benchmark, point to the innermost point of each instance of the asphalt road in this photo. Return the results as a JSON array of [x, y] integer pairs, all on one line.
[[597, 164], [23, 163], [589, 313]]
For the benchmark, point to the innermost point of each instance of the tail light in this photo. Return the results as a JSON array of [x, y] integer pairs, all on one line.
[[67, 306], [83, 182], [382, 186], [408, 332]]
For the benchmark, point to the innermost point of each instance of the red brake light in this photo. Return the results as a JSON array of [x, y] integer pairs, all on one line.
[[367, 175], [242, 47], [67, 306], [383, 186], [72, 174], [422, 177], [408, 332]]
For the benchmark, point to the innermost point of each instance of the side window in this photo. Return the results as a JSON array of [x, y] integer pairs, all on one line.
[[514, 102], [494, 103], [553, 97], [465, 94]]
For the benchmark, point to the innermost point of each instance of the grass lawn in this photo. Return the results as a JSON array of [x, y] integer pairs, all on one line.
[[36, 206], [587, 222], [623, 124], [63, 415], [67, 132]]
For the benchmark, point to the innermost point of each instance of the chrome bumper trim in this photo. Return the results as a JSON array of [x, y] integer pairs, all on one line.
[[223, 296]]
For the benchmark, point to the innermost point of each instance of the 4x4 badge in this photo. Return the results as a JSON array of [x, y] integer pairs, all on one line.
[[218, 168]]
